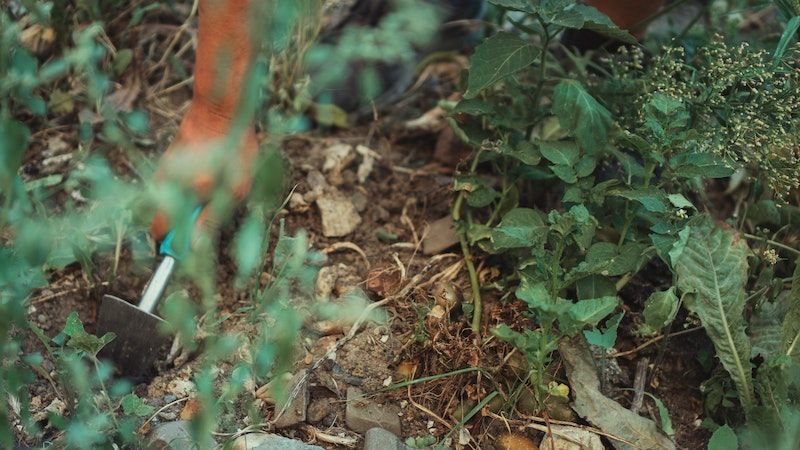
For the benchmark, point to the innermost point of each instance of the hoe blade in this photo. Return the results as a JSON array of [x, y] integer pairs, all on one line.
[[138, 343]]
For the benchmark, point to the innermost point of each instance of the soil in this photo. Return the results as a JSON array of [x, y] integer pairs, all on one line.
[[407, 189]]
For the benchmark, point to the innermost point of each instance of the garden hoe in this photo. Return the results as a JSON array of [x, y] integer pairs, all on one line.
[[139, 341]]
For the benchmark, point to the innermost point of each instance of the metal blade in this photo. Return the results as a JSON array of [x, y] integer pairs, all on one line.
[[138, 343]]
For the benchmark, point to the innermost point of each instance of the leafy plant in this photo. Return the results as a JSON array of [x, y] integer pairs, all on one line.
[[625, 146]]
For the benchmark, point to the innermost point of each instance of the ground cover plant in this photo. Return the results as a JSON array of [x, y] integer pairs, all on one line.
[[605, 200]]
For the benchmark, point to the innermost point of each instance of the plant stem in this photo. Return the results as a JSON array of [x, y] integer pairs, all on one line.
[[772, 243], [473, 274]]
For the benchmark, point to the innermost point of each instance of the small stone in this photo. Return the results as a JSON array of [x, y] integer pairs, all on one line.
[[176, 436], [297, 202], [339, 216], [359, 201], [180, 388], [380, 439], [296, 411], [169, 398], [265, 441], [363, 414], [326, 281], [168, 416], [580, 439], [319, 409], [440, 236], [514, 441]]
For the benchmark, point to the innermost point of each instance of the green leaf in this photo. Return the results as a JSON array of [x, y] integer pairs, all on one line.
[[581, 114], [713, 267], [608, 336], [789, 35], [14, 141], [679, 245], [706, 165], [525, 152], [652, 198], [724, 438], [660, 310], [590, 312], [520, 228], [790, 330], [537, 297], [135, 406], [564, 153], [248, 243], [600, 23], [679, 201], [496, 58], [663, 412], [565, 173], [81, 340], [595, 286]]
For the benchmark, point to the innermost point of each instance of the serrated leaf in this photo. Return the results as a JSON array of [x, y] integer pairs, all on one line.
[[497, 57], [660, 310], [564, 153], [724, 438], [581, 114], [713, 267], [135, 406], [520, 228]]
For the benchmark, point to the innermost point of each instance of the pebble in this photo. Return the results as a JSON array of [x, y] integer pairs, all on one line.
[[380, 439], [265, 441], [319, 409], [296, 411], [169, 398], [583, 440], [363, 414], [176, 436], [514, 441], [339, 215]]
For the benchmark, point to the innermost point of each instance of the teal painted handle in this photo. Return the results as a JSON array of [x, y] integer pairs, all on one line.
[[167, 248]]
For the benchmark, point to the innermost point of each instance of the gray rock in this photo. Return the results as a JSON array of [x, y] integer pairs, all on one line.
[[339, 215], [264, 441], [296, 411], [380, 439], [363, 414], [176, 436]]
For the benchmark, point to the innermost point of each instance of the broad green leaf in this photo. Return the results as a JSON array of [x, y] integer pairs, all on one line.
[[565, 173], [679, 201], [724, 438], [525, 151], [563, 153], [706, 165], [81, 340], [663, 412], [578, 112], [608, 336], [653, 199], [659, 310], [538, 299], [595, 286], [519, 228], [713, 267], [765, 327], [496, 58], [590, 312], [679, 245], [600, 23]]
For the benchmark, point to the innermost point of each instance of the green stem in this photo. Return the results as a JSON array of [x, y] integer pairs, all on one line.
[[773, 243], [473, 274]]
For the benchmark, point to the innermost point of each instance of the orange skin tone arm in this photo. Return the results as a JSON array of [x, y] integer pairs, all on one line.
[[224, 55]]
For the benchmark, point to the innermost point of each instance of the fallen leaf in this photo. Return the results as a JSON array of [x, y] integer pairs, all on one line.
[[600, 410]]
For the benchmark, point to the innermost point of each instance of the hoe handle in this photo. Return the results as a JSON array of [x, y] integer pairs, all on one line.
[[158, 282]]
